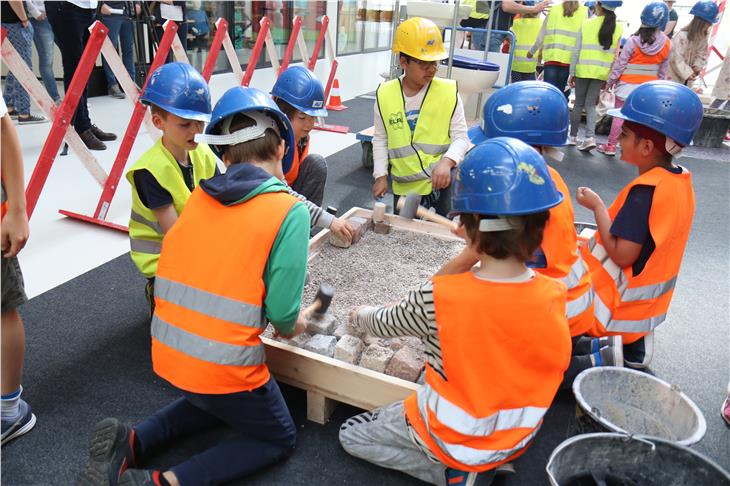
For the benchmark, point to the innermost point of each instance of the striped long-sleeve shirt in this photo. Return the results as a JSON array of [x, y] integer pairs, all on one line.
[[412, 316], [317, 216]]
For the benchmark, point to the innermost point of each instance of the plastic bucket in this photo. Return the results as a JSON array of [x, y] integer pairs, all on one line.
[[636, 403], [617, 459]]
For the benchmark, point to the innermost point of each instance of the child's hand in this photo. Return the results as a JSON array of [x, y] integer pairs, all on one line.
[[588, 199], [15, 232], [299, 327], [342, 229], [352, 318]]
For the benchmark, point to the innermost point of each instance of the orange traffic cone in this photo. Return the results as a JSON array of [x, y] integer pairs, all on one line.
[[335, 100]]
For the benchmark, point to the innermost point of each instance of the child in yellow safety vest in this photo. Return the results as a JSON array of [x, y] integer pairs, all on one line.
[[496, 336], [644, 57], [635, 255], [557, 39], [419, 124], [213, 306], [526, 28], [598, 43]]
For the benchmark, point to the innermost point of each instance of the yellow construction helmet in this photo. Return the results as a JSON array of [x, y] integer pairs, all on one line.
[[419, 38]]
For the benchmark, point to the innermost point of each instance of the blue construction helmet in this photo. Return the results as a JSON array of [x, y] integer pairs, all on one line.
[[503, 177], [301, 89], [655, 15], [706, 10], [590, 3], [261, 108], [532, 111], [671, 109], [610, 4], [178, 89]]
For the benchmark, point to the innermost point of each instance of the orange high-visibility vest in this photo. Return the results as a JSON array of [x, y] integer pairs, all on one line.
[[505, 348], [293, 173], [644, 67], [633, 305], [560, 246], [209, 311]]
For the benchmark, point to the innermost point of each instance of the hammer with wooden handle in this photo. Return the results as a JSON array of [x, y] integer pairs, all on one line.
[[322, 300], [409, 207]]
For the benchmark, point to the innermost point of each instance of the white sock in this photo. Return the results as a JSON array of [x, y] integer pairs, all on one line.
[[9, 404]]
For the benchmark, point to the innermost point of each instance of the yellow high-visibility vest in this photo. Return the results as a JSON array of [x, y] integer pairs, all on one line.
[[526, 31], [412, 156], [594, 61], [561, 34]]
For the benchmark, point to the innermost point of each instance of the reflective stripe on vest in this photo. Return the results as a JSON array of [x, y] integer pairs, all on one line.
[[526, 31], [644, 67], [209, 306], [625, 303], [561, 34], [412, 155], [594, 62], [473, 419], [145, 233]]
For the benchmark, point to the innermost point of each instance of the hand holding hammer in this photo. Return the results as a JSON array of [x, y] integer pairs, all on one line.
[[410, 206]]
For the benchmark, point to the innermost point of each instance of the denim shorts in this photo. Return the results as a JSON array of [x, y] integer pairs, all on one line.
[[13, 290]]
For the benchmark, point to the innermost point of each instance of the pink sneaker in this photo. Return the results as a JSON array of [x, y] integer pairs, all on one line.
[[607, 149], [725, 411]]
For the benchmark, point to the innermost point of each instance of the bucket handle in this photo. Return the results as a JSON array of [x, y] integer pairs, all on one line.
[[628, 437]]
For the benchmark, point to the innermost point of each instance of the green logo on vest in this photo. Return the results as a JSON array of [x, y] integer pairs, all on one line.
[[396, 121]]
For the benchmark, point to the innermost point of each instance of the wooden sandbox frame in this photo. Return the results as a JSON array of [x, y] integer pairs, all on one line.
[[328, 380]]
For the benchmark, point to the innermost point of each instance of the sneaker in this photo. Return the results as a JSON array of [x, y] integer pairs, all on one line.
[[609, 356], [587, 145], [102, 135], [140, 477], [725, 410], [110, 454], [648, 345], [572, 140], [115, 92], [31, 119], [14, 428], [607, 149], [12, 113], [90, 140]]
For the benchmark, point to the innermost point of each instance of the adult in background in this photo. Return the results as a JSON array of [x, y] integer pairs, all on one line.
[[116, 16], [176, 11], [673, 16], [43, 40], [504, 14], [688, 56], [70, 21], [20, 33]]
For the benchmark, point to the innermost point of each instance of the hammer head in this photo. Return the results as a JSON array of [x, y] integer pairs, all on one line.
[[325, 292], [408, 206]]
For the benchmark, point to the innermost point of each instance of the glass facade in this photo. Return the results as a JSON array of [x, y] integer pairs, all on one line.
[[364, 25], [244, 19]]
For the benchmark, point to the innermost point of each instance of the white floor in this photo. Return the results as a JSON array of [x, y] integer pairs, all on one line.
[[60, 249]]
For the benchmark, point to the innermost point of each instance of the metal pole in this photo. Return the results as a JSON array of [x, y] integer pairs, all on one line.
[[486, 51], [452, 43], [394, 58]]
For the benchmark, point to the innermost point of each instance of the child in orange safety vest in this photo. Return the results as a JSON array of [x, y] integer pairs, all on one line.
[[635, 255], [496, 337], [644, 57], [212, 306]]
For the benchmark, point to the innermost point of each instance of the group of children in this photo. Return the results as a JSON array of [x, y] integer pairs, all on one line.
[[518, 312], [586, 51]]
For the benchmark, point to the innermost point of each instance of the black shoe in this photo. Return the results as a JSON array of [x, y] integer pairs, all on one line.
[[12, 114], [102, 135], [140, 477], [110, 454], [31, 119], [90, 140]]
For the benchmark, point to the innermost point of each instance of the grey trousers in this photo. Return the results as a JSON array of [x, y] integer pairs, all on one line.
[[382, 437], [312, 178], [587, 91]]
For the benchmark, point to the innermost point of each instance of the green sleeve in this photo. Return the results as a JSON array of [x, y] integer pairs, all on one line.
[[286, 268]]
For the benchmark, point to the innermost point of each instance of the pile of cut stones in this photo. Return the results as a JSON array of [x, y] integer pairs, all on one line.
[[375, 269]]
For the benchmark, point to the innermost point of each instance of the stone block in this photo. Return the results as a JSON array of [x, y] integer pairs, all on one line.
[[321, 344], [406, 363], [360, 225], [381, 228], [376, 357], [341, 331], [321, 323], [349, 349], [369, 340], [298, 341]]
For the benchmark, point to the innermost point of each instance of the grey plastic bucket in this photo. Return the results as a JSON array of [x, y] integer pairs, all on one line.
[[629, 401], [589, 459]]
